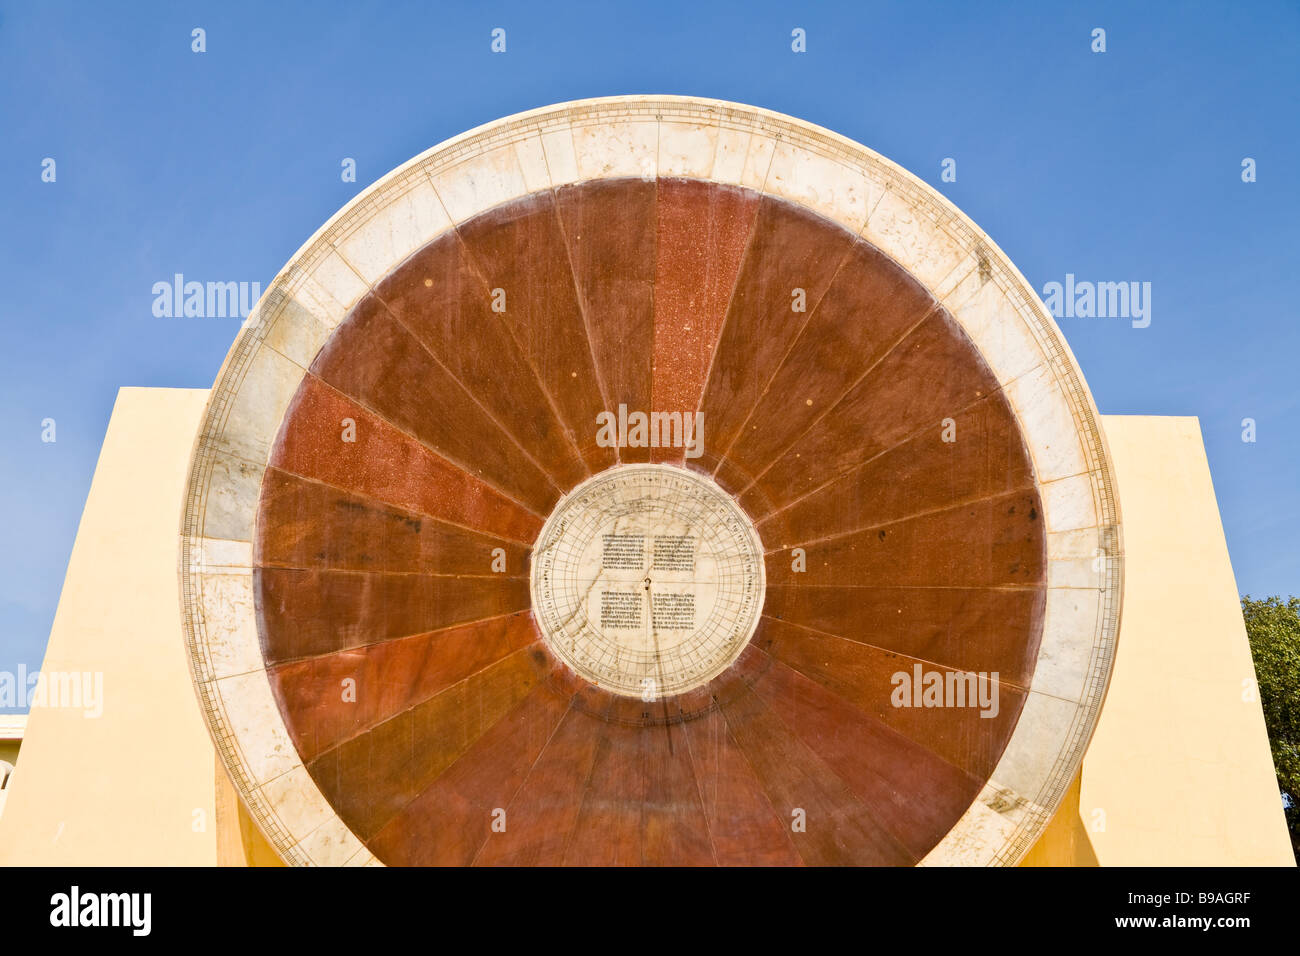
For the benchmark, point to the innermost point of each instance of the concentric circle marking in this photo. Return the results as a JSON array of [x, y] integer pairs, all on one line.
[[647, 580]]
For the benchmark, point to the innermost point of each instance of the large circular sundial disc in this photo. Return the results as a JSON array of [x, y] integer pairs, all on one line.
[[647, 580], [650, 480]]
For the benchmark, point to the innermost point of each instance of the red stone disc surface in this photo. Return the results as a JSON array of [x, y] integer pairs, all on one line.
[[374, 557]]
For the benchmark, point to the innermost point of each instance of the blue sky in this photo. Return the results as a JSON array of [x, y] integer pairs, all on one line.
[[1117, 166]]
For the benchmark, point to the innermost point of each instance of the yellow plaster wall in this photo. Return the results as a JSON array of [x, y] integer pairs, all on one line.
[[239, 841], [1179, 770], [1065, 841], [122, 788]]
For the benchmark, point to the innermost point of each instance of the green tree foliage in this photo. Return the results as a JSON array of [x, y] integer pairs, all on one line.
[[1273, 627]]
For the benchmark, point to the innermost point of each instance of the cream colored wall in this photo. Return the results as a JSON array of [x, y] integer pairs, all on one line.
[[122, 788], [1179, 766]]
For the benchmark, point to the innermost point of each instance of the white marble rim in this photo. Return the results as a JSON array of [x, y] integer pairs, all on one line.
[[687, 137]]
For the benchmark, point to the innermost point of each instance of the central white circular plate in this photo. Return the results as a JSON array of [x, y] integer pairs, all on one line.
[[647, 580]]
